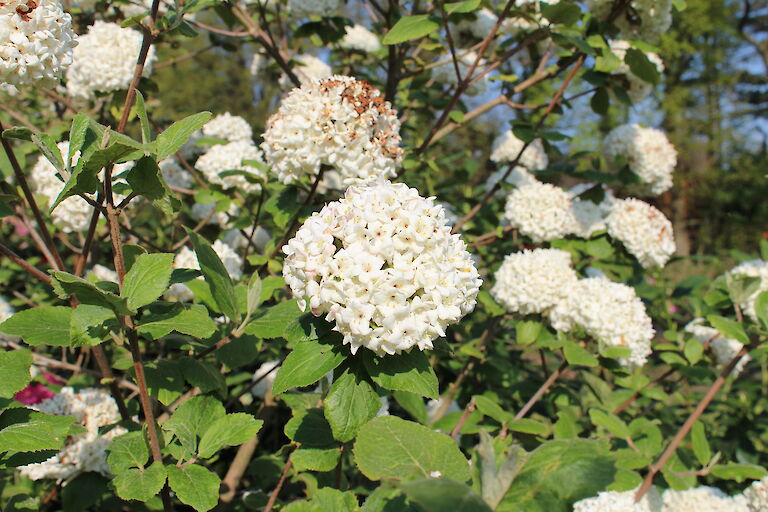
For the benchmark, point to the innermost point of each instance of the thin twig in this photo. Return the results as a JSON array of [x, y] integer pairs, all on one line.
[[31, 269], [283, 476], [541, 391]]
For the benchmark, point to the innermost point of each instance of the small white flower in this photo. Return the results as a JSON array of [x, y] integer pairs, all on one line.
[[308, 68], [648, 153], [613, 501], [230, 157], [757, 269], [724, 349], [358, 37], [703, 499], [757, 495], [541, 212], [228, 127]]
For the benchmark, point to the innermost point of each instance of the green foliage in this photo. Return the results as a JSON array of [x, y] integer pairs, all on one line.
[[14, 367], [308, 362], [411, 27]]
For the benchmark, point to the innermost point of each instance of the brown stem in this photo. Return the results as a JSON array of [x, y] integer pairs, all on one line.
[[468, 410], [21, 179], [541, 391], [146, 404], [273, 496], [626, 403], [32, 270], [702, 405], [512, 165]]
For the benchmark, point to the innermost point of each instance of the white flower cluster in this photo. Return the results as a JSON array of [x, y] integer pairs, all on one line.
[[308, 68], [757, 495], [103, 273], [37, 41], [357, 37], [229, 157], [533, 281], [83, 452], [609, 312], [228, 127], [645, 231], [202, 211], [307, 8], [186, 258], [648, 153], [613, 501], [703, 499], [480, 26], [74, 213], [104, 60], [267, 373], [724, 349], [382, 263], [639, 89], [507, 146], [757, 269], [642, 19], [234, 238], [540, 211], [338, 122], [174, 174], [445, 71]]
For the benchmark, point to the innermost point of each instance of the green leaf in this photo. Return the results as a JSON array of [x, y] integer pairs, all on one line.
[[274, 320], [87, 325], [146, 179], [192, 418], [195, 486], [14, 367], [164, 380], [254, 294], [350, 403], [409, 371], [693, 350], [761, 309], [700, 445], [411, 27], [559, 473], [203, 375], [83, 492], [216, 275], [333, 499], [18, 132], [600, 101], [527, 331], [127, 451], [45, 325], [393, 448], [641, 66], [442, 494], [31, 431], [178, 133], [78, 134], [491, 409], [48, 148], [65, 284], [147, 279], [462, 7], [413, 405], [577, 355], [231, 430], [138, 484], [193, 320], [307, 363], [141, 112], [729, 328], [528, 426], [612, 424], [130, 253], [561, 13], [315, 459], [739, 472], [282, 206]]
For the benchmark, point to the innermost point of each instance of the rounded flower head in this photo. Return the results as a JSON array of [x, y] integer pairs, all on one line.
[[479, 27], [757, 269], [445, 71], [533, 281], [609, 312], [174, 174], [308, 68], [724, 349], [648, 154], [507, 146], [639, 89], [645, 232], [228, 127], [82, 452], [229, 157], [645, 20], [37, 41], [104, 60], [382, 263], [757, 495], [540, 211], [338, 122], [703, 499], [613, 501], [358, 37]]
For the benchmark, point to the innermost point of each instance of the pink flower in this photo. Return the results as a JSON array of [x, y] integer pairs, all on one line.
[[33, 394], [672, 309]]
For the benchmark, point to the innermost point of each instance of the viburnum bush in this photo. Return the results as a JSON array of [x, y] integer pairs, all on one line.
[[349, 304]]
